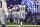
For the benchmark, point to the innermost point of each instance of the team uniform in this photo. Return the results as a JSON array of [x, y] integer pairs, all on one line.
[[4, 14], [14, 13], [17, 12], [9, 13], [22, 11], [3, 6]]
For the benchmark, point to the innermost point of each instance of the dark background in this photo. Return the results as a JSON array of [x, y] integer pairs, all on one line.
[[13, 2]]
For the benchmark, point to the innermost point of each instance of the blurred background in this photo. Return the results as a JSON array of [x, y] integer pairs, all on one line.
[[32, 14]]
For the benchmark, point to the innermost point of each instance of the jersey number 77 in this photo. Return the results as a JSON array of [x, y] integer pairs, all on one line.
[[0, 4]]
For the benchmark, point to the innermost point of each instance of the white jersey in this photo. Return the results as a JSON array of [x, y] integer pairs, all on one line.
[[9, 11], [14, 8], [3, 6], [22, 8]]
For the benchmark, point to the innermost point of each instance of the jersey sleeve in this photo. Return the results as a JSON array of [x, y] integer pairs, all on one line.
[[5, 7]]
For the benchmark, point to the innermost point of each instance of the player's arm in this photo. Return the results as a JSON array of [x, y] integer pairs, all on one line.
[[5, 7]]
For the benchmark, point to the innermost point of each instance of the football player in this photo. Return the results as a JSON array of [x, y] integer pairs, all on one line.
[[3, 6], [22, 11], [18, 15], [14, 14], [9, 14], [13, 10]]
